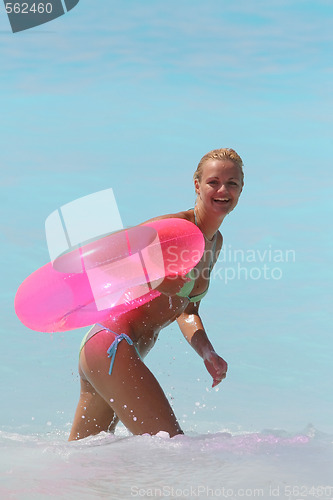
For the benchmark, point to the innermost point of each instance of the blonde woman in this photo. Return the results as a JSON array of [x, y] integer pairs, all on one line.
[[115, 382]]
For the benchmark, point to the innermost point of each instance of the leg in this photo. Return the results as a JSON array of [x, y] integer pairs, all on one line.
[[93, 415], [131, 390]]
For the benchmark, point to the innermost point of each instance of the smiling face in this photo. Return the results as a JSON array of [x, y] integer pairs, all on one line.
[[220, 186]]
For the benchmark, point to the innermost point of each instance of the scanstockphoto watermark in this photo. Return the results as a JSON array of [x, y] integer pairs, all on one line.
[[199, 491], [255, 264], [290, 492]]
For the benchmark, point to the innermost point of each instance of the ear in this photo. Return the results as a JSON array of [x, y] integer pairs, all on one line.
[[197, 186]]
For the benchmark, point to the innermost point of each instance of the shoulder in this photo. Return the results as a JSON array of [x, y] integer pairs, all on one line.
[[186, 214]]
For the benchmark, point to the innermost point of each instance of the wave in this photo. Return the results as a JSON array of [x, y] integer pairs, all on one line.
[[197, 465]]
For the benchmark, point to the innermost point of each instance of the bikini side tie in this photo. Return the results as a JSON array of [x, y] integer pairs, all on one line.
[[112, 351]]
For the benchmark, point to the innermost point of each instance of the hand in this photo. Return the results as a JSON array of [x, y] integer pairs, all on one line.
[[216, 366]]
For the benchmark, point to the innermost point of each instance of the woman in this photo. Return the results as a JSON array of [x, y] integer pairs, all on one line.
[[127, 390]]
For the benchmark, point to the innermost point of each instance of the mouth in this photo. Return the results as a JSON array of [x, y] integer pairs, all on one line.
[[221, 200]]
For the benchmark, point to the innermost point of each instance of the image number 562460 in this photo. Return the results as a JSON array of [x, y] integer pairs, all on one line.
[[29, 14], [25, 8]]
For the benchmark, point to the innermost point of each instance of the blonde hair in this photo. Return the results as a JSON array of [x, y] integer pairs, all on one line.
[[219, 154]]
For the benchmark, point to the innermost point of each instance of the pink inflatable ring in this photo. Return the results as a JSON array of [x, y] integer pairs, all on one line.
[[111, 275]]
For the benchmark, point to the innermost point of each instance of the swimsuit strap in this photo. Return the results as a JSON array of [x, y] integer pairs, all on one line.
[[196, 223], [112, 351], [213, 252], [195, 217]]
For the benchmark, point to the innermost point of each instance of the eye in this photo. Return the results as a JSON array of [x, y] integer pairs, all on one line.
[[212, 182]]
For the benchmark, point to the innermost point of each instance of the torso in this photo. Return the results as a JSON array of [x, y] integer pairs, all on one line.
[[144, 323]]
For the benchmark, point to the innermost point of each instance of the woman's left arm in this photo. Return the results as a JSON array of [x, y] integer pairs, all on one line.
[[193, 330]]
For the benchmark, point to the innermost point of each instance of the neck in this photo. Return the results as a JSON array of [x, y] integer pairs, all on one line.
[[207, 223]]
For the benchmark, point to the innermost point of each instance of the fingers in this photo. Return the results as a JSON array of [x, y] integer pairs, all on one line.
[[217, 367], [217, 380]]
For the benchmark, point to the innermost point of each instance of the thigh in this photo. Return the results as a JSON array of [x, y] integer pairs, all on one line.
[[92, 415], [131, 390]]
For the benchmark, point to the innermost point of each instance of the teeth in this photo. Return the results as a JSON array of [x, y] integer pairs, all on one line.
[[222, 199]]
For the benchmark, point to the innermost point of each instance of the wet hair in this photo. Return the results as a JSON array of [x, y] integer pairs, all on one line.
[[219, 154]]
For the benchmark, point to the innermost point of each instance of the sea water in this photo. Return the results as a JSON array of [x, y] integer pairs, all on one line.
[[226, 452], [264, 432], [270, 464]]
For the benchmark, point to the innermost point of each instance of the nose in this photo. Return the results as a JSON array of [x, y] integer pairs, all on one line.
[[223, 189]]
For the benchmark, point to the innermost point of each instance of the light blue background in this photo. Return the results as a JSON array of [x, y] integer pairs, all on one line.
[[130, 95]]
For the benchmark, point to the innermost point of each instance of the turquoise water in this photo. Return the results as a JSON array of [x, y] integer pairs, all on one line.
[[277, 346], [267, 428], [217, 465]]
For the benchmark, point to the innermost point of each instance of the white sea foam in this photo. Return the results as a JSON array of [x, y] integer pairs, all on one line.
[[222, 464]]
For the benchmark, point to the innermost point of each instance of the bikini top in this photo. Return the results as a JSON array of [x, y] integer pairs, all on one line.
[[189, 285]]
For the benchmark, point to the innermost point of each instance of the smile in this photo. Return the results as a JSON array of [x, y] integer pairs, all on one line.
[[221, 200]]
